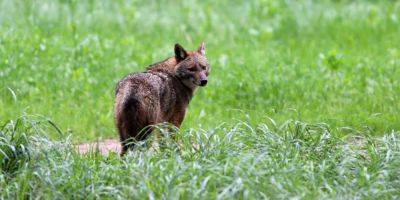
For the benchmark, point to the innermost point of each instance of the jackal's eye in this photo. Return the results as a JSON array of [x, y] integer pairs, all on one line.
[[193, 69]]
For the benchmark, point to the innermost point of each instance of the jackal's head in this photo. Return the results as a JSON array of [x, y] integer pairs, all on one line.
[[192, 68]]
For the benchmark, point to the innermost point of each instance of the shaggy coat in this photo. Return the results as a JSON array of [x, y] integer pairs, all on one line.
[[160, 94]]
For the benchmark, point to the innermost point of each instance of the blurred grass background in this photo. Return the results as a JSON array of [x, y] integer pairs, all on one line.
[[317, 61]]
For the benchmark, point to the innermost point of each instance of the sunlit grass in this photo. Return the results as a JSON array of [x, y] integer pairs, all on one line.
[[334, 62], [293, 159]]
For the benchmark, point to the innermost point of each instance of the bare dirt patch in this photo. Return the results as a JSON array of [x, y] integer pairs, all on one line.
[[103, 146]]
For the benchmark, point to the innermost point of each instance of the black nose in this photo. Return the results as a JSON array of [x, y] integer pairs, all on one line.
[[203, 82]]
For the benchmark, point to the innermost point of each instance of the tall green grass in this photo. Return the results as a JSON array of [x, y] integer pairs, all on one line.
[[269, 160], [302, 100], [330, 61]]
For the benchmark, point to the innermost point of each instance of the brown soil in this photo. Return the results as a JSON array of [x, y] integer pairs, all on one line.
[[104, 146]]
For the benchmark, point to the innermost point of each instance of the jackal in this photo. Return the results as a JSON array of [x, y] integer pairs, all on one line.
[[160, 94]]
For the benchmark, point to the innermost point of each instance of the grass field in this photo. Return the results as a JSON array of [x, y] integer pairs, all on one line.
[[303, 100]]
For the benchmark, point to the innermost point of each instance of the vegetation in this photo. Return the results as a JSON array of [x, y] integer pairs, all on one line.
[[303, 99], [293, 159]]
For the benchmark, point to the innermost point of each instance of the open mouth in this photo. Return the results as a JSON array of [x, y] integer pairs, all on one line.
[[196, 83]]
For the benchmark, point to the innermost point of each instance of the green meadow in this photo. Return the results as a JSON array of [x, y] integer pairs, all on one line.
[[303, 99]]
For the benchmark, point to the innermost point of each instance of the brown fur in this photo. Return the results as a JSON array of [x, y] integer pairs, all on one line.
[[160, 94]]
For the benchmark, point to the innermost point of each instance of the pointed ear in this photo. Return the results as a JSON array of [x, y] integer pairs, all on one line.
[[202, 49], [180, 52]]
